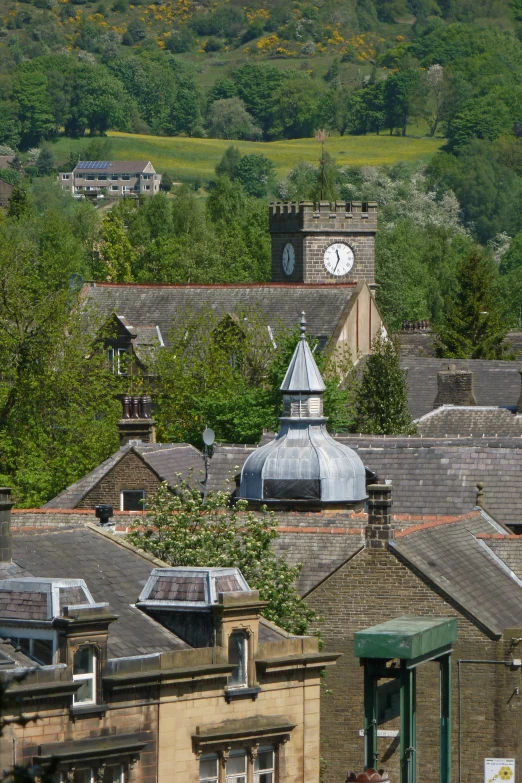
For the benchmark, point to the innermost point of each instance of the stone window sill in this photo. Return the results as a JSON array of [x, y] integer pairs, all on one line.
[[233, 694], [87, 710]]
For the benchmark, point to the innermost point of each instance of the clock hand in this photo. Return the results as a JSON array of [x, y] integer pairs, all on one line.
[[338, 259]]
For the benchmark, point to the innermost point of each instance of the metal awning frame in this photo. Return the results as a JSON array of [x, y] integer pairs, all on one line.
[[376, 640]]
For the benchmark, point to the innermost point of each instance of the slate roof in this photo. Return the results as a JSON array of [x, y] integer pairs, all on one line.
[[282, 303], [496, 383], [319, 552], [226, 462], [114, 574], [166, 459], [438, 477], [454, 420], [111, 166], [451, 557]]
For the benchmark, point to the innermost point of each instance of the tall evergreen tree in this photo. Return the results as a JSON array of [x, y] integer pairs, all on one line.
[[474, 326], [382, 401]]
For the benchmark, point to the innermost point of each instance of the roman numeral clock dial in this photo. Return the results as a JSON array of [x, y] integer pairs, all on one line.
[[338, 259]]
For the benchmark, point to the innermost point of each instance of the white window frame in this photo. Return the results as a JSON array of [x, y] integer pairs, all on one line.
[[125, 177], [234, 777], [122, 493], [65, 176], [89, 676], [272, 770]]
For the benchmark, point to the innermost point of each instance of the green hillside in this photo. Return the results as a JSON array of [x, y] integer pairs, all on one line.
[[189, 159]]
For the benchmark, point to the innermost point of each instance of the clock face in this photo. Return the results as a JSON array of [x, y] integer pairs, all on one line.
[[288, 259], [338, 259]]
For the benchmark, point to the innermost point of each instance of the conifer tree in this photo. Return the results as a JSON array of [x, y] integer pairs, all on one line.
[[474, 327], [382, 400]]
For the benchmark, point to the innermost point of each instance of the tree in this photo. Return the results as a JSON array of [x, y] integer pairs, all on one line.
[[98, 102], [474, 326], [34, 109], [402, 98], [381, 399], [229, 119], [296, 108], [167, 182], [337, 109], [482, 118], [58, 410], [184, 528], [45, 162], [228, 164], [255, 172], [256, 86], [18, 206], [116, 255]]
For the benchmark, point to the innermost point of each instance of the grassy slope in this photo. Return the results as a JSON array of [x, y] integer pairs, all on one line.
[[187, 159]]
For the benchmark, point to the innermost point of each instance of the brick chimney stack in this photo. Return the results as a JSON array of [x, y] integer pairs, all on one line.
[[136, 422], [454, 387], [379, 529], [6, 544]]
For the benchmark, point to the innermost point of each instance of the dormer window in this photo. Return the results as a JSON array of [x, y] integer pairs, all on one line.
[[238, 655], [84, 670]]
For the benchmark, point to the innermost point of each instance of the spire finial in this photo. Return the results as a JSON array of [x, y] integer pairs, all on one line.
[[302, 326]]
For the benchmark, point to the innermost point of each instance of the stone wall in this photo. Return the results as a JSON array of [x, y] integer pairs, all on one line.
[[129, 473], [311, 228], [54, 724], [373, 587]]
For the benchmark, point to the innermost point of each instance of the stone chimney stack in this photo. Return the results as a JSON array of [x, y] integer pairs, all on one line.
[[454, 387], [379, 529], [6, 544], [136, 422]]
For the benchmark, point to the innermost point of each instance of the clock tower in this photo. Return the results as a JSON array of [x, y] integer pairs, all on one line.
[[324, 242]]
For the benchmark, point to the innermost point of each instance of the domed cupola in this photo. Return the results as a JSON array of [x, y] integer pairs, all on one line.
[[303, 465]]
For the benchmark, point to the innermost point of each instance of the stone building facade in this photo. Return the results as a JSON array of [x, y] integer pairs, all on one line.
[[125, 690]]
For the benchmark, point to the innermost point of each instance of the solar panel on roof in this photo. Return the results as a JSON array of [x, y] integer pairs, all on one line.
[[93, 164]]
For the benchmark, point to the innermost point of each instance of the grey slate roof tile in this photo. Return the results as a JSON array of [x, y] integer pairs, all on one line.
[[458, 420], [114, 574], [496, 383], [166, 459], [451, 557], [159, 304]]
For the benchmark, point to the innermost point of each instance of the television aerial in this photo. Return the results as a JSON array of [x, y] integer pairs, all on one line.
[[209, 436]]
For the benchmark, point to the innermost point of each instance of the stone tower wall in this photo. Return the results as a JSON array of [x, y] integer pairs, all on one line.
[[311, 228]]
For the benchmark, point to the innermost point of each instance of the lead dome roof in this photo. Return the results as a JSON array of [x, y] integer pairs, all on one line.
[[304, 463]]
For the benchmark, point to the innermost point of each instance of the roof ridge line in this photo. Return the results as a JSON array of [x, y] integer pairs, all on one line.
[[434, 523], [126, 545]]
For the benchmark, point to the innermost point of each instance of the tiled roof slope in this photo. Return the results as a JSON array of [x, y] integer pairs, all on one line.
[[421, 343], [436, 476], [449, 420], [117, 166], [114, 574], [167, 459], [496, 383], [227, 460], [159, 304], [465, 569], [440, 478], [508, 548], [320, 552]]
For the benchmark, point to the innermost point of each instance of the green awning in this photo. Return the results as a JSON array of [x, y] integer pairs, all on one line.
[[406, 637]]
